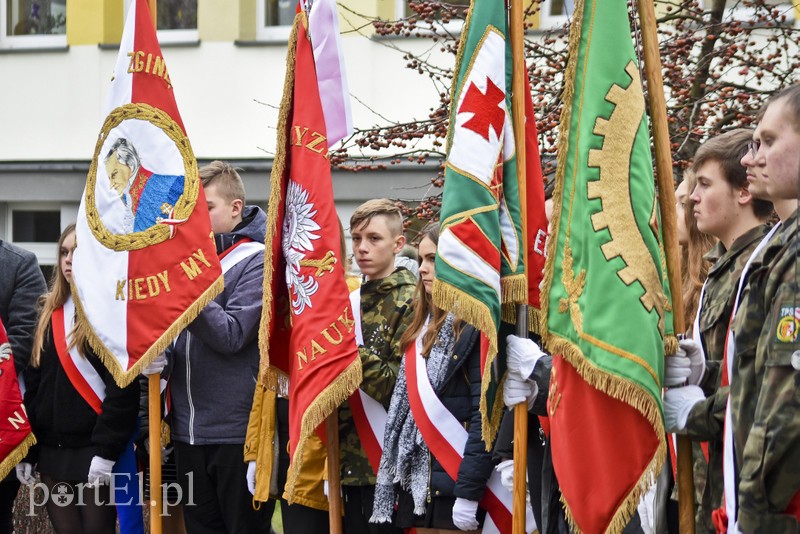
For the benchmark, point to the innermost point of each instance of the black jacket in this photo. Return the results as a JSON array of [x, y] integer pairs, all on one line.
[[61, 418], [461, 394]]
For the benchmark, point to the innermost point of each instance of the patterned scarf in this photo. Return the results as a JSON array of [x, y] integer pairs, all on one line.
[[405, 454]]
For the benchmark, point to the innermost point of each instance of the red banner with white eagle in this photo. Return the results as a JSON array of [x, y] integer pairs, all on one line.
[[307, 328], [145, 264], [15, 429]]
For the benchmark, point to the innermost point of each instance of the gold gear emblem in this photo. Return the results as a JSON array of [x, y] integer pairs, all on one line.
[[614, 190]]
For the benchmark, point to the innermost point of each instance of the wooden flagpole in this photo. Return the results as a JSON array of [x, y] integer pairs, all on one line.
[[154, 411], [669, 222], [518, 87], [334, 475]]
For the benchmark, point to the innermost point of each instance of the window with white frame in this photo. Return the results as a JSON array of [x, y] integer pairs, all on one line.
[[274, 19], [33, 23], [555, 13], [177, 20]]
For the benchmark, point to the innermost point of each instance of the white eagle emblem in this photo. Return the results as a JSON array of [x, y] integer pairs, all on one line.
[[298, 233]]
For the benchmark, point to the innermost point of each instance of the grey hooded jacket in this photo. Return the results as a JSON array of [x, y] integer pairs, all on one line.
[[214, 362]]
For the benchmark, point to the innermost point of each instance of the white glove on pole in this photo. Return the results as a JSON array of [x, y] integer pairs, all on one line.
[[516, 391], [25, 473], [676, 371], [678, 403], [100, 471], [688, 348], [506, 470], [465, 514], [251, 477], [156, 366], [522, 355]]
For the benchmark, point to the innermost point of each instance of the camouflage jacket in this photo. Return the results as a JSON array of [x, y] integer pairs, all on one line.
[[386, 312], [770, 448], [707, 418]]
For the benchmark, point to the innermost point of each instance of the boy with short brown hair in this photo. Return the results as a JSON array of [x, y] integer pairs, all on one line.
[[385, 298]]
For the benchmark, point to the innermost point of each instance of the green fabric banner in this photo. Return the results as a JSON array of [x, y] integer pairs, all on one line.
[[606, 299]]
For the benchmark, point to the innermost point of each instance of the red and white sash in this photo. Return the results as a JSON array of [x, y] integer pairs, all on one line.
[[672, 441], [369, 415], [446, 438], [729, 470], [82, 375], [241, 250]]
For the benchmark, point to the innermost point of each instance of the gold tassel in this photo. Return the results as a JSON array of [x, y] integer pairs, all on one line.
[[514, 289], [166, 434], [670, 345], [16, 455]]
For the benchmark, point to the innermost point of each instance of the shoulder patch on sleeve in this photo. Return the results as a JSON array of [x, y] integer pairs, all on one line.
[[788, 324]]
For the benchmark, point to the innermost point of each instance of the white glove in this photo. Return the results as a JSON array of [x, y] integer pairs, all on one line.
[[687, 348], [251, 477], [25, 473], [516, 391], [676, 371], [325, 487], [678, 403], [100, 471], [506, 470], [522, 355], [465, 514], [156, 366]]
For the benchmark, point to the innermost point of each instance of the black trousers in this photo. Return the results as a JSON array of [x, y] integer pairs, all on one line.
[[215, 494], [8, 493], [297, 518], [358, 501]]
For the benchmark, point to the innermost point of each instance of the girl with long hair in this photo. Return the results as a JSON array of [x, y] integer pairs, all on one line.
[[694, 245], [410, 476], [81, 430]]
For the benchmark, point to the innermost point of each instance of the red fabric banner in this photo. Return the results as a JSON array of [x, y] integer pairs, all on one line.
[[536, 215], [583, 461], [15, 429], [308, 328], [147, 263]]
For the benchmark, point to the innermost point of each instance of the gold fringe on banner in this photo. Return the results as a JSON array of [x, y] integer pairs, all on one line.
[[325, 403], [17, 455], [124, 377], [514, 289], [509, 315], [166, 434], [476, 313], [670, 345], [266, 376], [614, 386], [631, 394]]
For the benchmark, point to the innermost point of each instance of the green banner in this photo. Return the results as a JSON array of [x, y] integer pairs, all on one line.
[[607, 305]]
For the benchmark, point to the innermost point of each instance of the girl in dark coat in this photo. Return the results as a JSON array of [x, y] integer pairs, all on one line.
[[77, 447], [409, 475]]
